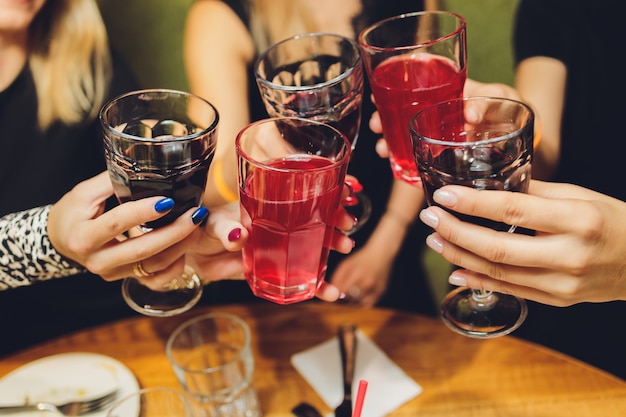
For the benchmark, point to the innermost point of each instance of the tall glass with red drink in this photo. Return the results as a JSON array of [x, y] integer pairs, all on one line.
[[412, 61], [291, 174]]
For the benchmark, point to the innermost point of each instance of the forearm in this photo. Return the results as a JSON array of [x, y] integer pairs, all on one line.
[[403, 205], [26, 252]]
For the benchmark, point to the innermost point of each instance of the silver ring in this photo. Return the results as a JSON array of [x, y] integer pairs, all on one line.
[[354, 292], [139, 270]]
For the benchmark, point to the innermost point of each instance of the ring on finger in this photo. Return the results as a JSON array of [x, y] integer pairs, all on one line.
[[354, 292], [139, 270]]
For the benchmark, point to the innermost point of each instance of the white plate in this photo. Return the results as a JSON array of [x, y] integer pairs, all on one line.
[[66, 377]]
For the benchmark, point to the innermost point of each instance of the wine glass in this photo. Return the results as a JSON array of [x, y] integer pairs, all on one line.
[[160, 143], [491, 152], [318, 76], [412, 60]]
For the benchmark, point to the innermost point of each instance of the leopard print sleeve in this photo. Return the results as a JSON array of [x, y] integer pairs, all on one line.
[[26, 253]]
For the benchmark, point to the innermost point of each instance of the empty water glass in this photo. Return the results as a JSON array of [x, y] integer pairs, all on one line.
[[212, 359]]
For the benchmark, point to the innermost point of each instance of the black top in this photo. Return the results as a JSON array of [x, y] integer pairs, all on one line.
[[37, 168], [586, 38]]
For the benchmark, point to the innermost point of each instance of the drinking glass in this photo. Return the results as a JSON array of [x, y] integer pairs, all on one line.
[[291, 175], [317, 76], [212, 359], [153, 402], [492, 152], [160, 143], [412, 60]]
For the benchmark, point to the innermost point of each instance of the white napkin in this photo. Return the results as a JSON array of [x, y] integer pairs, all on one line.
[[388, 386]]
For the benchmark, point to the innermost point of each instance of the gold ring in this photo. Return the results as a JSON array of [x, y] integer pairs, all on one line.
[[139, 271]]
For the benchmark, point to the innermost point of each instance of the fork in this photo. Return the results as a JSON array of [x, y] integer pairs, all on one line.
[[73, 408], [347, 346]]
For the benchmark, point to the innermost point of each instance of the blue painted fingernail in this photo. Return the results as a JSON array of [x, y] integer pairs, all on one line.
[[199, 215], [164, 205]]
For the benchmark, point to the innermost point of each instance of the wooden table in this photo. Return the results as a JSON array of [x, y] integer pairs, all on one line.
[[459, 376]]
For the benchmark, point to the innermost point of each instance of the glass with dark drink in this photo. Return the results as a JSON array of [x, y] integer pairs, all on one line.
[[490, 152], [160, 143], [318, 76]]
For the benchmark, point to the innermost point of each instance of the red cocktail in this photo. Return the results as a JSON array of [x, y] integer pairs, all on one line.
[[412, 61], [292, 173]]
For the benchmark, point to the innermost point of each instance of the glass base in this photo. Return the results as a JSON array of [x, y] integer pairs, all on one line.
[[181, 295], [482, 317]]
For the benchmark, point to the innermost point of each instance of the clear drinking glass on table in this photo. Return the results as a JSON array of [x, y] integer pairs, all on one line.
[[160, 143], [212, 359], [291, 176], [492, 153], [412, 60], [318, 76]]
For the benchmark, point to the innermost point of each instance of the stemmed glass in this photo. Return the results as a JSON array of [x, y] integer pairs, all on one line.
[[317, 76], [490, 152], [160, 143], [412, 60]]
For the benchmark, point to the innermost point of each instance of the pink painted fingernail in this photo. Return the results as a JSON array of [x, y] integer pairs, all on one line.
[[457, 280], [434, 243], [445, 198], [234, 234]]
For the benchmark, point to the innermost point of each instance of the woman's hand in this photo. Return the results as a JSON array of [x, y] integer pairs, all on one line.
[[217, 254], [82, 231], [576, 255]]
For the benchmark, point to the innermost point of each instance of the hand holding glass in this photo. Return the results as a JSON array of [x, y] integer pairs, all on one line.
[[291, 175], [493, 152], [160, 143]]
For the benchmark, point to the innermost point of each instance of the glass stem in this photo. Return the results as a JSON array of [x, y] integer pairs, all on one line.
[[483, 300]]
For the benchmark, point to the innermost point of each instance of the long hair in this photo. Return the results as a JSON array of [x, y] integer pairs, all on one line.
[[70, 60]]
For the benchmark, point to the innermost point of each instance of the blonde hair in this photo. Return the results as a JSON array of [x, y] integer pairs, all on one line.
[[70, 61], [275, 20]]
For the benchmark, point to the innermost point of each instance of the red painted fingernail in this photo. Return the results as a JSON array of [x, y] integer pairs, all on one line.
[[234, 235]]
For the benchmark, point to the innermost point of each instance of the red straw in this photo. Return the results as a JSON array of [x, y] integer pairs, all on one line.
[[360, 397]]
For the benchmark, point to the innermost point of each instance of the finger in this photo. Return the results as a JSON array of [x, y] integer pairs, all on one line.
[[341, 243], [480, 281], [123, 218], [551, 190], [343, 220], [375, 123], [161, 279], [382, 148], [328, 292], [226, 265], [148, 244], [96, 189], [224, 230], [547, 251], [520, 209]]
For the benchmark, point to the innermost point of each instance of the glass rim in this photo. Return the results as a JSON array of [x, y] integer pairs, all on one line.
[[336, 80], [373, 48], [170, 139], [333, 165], [184, 325], [483, 142]]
